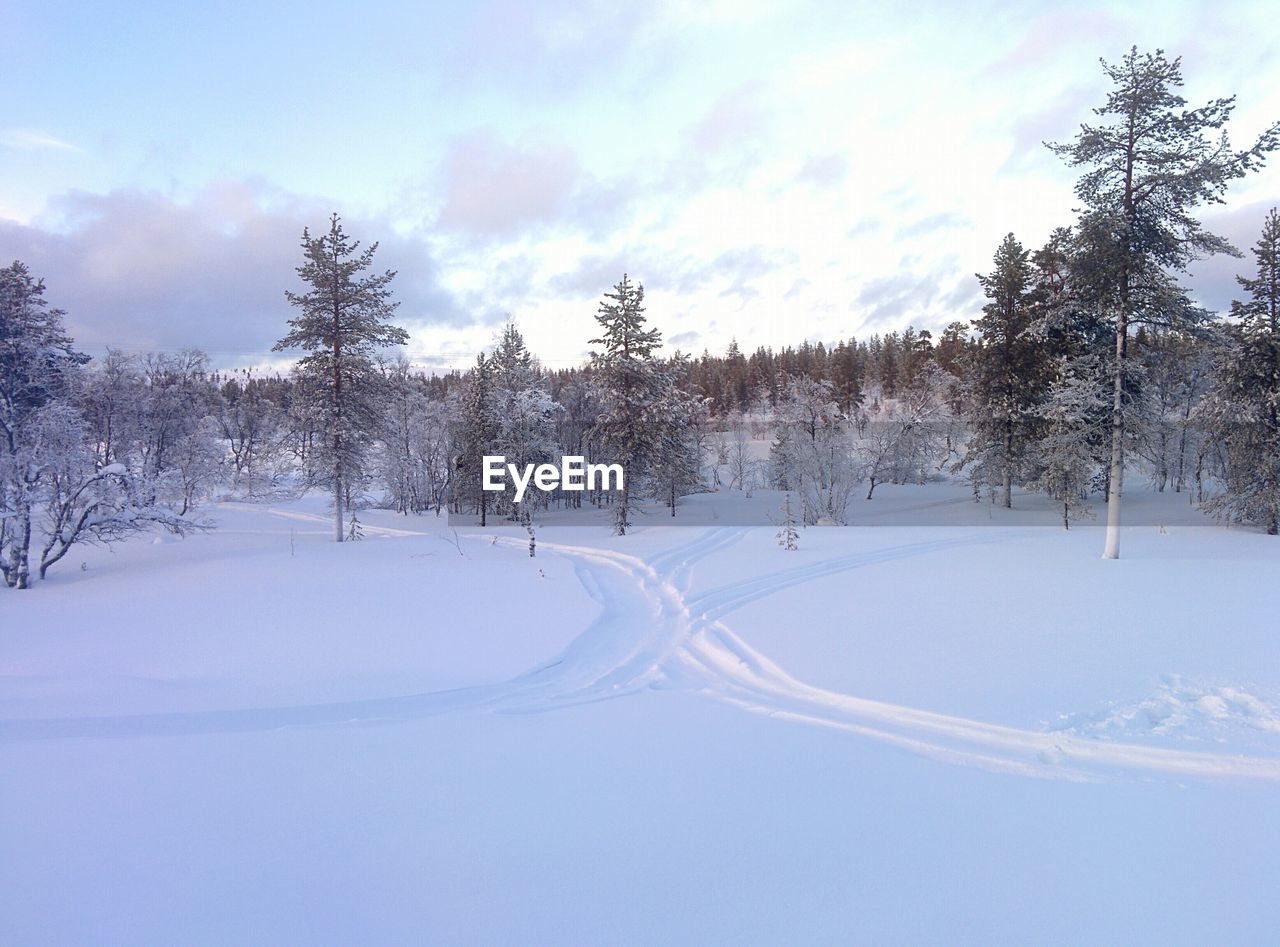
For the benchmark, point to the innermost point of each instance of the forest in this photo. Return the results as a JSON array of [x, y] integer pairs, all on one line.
[[1089, 359]]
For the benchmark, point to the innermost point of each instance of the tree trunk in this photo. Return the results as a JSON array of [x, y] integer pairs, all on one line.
[[1115, 476], [1008, 464], [338, 517], [20, 552]]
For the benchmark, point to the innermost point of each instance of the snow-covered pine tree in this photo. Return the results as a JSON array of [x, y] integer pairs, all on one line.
[[633, 389], [1070, 449], [344, 317], [788, 536], [1006, 378], [525, 414], [677, 460], [477, 435], [38, 420], [1243, 409], [1148, 169], [355, 531]]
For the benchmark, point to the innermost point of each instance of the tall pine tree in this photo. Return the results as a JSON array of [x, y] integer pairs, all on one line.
[[632, 388], [478, 431], [1149, 165], [343, 319]]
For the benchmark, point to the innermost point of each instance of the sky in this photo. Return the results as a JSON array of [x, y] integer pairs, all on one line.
[[771, 172]]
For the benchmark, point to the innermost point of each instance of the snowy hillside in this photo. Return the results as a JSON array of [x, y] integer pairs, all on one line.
[[942, 733]]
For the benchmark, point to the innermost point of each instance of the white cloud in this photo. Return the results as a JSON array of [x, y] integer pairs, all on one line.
[[27, 140]]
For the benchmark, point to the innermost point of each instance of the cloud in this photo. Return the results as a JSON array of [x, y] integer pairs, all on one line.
[[887, 300], [25, 140], [594, 275], [142, 271], [1212, 281], [494, 189], [683, 341], [1057, 122], [824, 171], [1053, 33], [736, 120], [538, 50], [932, 224]]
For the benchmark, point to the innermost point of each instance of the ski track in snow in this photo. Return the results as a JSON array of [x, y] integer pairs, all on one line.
[[652, 635]]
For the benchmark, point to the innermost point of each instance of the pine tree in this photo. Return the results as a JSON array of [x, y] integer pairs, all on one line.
[[1006, 377], [477, 436], [1149, 167], [1243, 409], [524, 413], [788, 536], [677, 454], [632, 388], [343, 320]]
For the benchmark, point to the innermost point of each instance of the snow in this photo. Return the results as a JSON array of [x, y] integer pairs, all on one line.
[[921, 732]]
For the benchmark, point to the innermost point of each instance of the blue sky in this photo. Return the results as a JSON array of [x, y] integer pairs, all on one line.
[[771, 172]]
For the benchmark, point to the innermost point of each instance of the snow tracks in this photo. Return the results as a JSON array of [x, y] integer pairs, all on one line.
[[653, 633]]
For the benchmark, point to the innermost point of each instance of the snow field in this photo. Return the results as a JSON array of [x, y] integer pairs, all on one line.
[[259, 736]]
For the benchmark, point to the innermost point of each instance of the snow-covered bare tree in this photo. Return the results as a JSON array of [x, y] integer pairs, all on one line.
[[110, 393], [343, 319], [1173, 376], [905, 441], [1070, 449], [416, 444], [54, 491], [811, 453], [250, 426], [742, 466]]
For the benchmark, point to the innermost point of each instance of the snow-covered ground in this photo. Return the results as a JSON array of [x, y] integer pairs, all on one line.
[[947, 729]]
